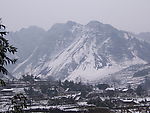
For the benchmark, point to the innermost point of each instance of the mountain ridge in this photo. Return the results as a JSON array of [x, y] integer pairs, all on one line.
[[85, 52]]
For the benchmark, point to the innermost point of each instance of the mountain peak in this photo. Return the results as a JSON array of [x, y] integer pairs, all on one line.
[[32, 28], [71, 23], [94, 23]]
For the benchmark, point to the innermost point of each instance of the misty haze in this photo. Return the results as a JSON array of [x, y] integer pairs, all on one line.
[[73, 56]]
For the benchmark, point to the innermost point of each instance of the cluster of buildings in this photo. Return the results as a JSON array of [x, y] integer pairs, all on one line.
[[117, 100]]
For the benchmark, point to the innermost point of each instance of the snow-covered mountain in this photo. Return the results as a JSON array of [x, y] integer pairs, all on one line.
[[84, 52], [36, 46]]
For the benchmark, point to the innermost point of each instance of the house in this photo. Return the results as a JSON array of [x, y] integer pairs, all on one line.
[[110, 92], [68, 98], [7, 92], [128, 102], [125, 92]]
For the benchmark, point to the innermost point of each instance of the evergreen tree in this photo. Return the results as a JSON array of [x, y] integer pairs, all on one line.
[[5, 48], [19, 101], [28, 78], [103, 86], [140, 90]]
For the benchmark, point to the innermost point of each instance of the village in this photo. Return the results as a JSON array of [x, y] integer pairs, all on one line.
[[67, 96]]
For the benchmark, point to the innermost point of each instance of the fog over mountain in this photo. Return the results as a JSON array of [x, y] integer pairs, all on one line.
[[72, 51], [130, 15]]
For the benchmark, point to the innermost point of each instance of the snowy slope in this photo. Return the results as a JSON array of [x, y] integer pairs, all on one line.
[[36, 46], [98, 51]]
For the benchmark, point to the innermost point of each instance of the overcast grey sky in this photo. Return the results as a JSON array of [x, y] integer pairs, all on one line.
[[130, 15]]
